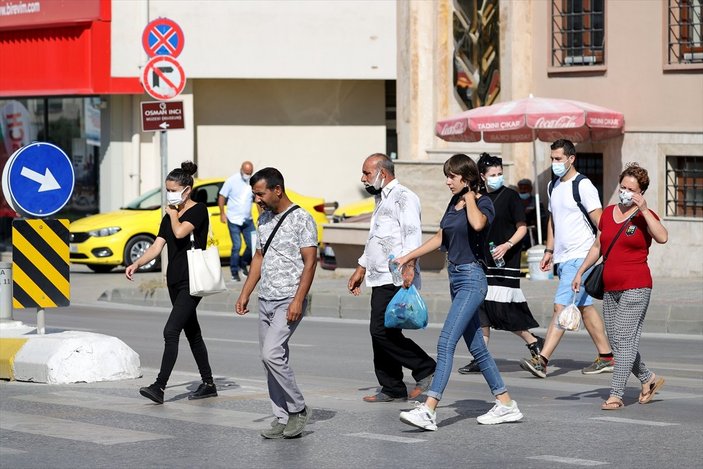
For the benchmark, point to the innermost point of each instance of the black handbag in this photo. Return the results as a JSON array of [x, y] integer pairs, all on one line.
[[594, 282]]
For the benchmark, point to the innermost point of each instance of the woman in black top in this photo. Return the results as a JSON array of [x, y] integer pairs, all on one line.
[[183, 217], [505, 306]]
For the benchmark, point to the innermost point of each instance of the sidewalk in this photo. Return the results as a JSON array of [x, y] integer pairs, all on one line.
[[676, 305]]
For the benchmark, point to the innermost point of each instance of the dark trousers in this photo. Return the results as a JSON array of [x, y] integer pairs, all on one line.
[[392, 350], [183, 318]]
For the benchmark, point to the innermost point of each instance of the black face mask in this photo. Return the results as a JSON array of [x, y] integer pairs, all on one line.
[[371, 189]]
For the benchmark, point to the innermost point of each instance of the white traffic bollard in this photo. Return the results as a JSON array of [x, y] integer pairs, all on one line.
[[5, 291]]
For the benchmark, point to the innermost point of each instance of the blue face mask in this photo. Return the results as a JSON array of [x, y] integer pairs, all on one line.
[[524, 195], [494, 182], [559, 169]]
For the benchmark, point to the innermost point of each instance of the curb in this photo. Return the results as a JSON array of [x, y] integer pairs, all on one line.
[[661, 318], [66, 357]]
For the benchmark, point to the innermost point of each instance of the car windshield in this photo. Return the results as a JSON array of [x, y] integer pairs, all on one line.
[[148, 201]]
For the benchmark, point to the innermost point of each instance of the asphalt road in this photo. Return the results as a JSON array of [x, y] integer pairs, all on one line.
[[110, 425]]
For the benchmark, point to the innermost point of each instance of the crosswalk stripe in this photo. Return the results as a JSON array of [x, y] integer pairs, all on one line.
[[72, 430], [378, 436], [140, 406], [253, 342], [572, 461], [651, 423], [7, 451]]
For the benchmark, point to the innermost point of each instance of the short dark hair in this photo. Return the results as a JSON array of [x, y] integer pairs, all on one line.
[[272, 176], [461, 165], [384, 162], [183, 175], [567, 145]]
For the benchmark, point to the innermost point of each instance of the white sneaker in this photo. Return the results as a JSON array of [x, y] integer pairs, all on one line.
[[421, 417], [501, 414]]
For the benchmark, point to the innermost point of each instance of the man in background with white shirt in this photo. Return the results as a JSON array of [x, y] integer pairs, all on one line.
[[237, 192], [395, 229]]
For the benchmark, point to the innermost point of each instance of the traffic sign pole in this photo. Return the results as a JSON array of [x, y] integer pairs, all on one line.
[[5, 291], [163, 150]]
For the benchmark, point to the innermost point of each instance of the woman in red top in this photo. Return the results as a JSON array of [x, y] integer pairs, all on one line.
[[627, 281]]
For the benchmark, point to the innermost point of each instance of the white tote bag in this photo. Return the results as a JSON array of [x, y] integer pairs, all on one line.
[[204, 269]]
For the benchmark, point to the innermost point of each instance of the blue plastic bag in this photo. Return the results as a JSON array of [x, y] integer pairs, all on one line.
[[407, 310]]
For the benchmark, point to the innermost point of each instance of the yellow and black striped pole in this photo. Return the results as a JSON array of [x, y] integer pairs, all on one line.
[[40, 258]]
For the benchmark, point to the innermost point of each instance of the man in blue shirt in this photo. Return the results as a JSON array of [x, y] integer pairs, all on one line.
[[237, 192]]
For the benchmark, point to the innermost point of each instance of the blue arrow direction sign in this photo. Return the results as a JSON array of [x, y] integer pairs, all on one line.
[[38, 180]]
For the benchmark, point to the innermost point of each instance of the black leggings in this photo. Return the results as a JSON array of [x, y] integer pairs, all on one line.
[[183, 318]]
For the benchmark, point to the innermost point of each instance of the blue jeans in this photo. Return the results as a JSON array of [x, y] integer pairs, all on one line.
[[236, 232], [468, 287]]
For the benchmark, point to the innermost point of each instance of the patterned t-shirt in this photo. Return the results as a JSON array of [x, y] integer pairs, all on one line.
[[283, 263]]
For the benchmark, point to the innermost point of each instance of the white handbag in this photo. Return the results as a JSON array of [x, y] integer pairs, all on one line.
[[204, 269]]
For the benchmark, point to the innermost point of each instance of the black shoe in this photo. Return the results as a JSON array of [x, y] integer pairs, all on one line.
[[535, 348], [203, 391], [470, 368], [236, 278], [245, 270], [153, 392]]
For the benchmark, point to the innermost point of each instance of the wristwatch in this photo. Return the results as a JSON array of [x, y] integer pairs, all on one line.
[[550, 251], [510, 243]]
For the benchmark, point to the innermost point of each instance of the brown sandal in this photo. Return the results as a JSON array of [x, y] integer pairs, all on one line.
[[612, 405], [654, 387]]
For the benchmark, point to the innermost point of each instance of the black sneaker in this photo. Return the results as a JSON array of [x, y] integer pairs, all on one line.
[[470, 368], [236, 277], [153, 392], [203, 391], [245, 270], [535, 348]]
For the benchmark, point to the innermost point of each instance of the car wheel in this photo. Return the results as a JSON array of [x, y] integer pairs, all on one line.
[[135, 248], [100, 268]]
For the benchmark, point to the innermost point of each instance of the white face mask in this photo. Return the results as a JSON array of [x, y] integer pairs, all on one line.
[[626, 197], [175, 198], [559, 169], [245, 177], [494, 182]]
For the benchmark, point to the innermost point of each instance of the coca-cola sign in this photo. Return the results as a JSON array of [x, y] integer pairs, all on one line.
[[562, 122], [452, 128]]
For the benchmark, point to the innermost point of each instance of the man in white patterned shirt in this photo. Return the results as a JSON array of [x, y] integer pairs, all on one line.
[[395, 229]]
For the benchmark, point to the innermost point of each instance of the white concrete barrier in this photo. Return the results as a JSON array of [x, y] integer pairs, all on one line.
[[73, 357]]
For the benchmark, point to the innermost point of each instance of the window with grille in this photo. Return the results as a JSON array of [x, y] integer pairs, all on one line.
[[685, 43], [578, 33], [591, 165], [684, 186]]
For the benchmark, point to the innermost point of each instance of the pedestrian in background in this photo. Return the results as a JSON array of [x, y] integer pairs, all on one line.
[[627, 281], [461, 234], [505, 306], [237, 192], [285, 261], [395, 230], [569, 237], [529, 203], [183, 218]]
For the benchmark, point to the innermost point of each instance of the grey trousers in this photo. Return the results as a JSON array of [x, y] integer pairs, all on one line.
[[274, 333], [624, 313]]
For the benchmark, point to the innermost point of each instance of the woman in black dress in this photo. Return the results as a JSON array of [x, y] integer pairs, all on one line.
[[184, 218], [505, 306]]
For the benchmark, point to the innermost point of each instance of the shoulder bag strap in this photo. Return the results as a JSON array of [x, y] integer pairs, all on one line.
[[210, 236], [612, 243], [275, 228]]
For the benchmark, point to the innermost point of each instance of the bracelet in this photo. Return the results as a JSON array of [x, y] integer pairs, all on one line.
[[550, 251], [510, 243]]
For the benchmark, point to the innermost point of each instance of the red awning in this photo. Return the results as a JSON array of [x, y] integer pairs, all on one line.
[[61, 59]]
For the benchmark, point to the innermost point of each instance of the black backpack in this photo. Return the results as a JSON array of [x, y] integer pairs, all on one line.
[[577, 198]]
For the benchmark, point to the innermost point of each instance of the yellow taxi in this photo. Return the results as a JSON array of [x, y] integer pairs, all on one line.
[[107, 240], [355, 209]]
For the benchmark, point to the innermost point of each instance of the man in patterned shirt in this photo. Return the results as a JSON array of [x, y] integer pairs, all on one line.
[[395, 229], [285, 261]]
